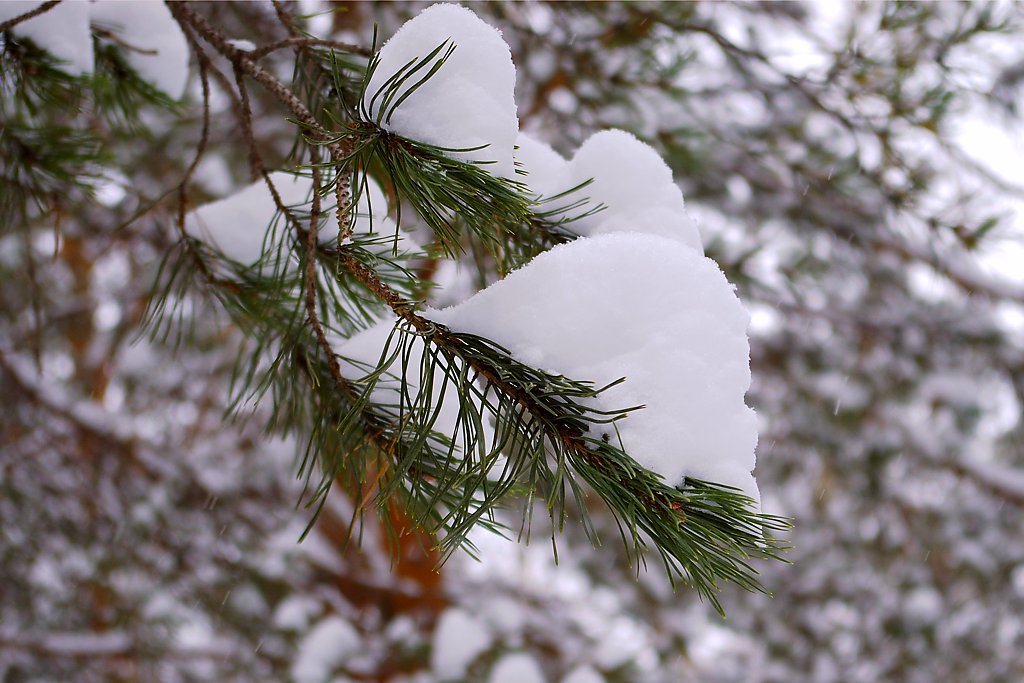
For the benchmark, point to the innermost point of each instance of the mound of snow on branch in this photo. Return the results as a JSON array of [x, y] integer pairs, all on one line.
[[150, 39], [629, 178], [547, 173], [63, 31], [646, 308], [157, 49], [468, 103], [248, 224], [363, 352]]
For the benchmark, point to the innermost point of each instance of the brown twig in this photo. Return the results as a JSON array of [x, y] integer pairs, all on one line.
[[14, 21], [310, 280], [302, 41], [245, 120]]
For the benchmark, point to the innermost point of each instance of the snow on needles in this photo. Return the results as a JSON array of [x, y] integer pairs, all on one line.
[[246, 226], [629, 178], [160, 55], [63, 31], [468, 104], [649, 309], [156, 48]]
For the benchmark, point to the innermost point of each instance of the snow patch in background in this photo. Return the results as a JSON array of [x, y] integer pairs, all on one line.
[[319, 17], [468, 103], [327, 646], [458, 639], [583, 675], [517, 668]]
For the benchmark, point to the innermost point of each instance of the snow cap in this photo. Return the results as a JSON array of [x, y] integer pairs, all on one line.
[[649, 309], [547, 172], [63, 31], [468, 103], [245, 225], [628, 177], [148, 25]]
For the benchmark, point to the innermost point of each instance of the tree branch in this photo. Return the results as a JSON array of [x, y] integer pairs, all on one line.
[[14, 21]]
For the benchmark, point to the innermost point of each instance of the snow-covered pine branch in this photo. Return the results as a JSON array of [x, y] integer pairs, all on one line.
[[612, 360], [632, 383]]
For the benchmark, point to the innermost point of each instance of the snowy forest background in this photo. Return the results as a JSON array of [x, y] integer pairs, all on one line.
[[854, 169]]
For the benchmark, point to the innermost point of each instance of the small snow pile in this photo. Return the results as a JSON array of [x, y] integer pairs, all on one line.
[[326, 647], [246, 225], [458, 640], [468, 103], [63, 31], [547, 173], [156, 48], [649, 309], [629, 178], [517, 668]]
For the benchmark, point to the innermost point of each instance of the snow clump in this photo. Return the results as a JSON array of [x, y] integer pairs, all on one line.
[[162, 54], [547, 173], [649, 309], [247, 225], [628, 177], [468, 104], [362, 354], [63, 31], [243, 225]]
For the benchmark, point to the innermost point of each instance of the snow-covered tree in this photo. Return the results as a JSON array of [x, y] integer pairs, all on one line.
[[247, 242]]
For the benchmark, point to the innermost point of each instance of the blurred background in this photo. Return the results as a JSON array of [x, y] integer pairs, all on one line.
[[856, 169]]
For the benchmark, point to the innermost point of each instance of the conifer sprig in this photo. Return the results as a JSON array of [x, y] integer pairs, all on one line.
[[374, 428]]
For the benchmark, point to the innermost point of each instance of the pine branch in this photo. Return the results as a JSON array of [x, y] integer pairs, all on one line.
[[703, 532]]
